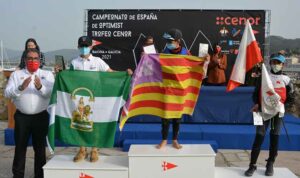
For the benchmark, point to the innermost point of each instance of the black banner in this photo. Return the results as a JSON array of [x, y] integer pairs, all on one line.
[[122, 32]]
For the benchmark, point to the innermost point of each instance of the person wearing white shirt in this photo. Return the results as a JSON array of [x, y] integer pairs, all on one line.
[[90, 63], [30, 90], [87, 62]]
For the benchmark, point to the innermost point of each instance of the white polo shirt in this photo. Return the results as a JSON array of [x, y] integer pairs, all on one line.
[[91, 64], [30, 100]]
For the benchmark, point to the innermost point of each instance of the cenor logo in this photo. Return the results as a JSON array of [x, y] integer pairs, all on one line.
[[237, 20]]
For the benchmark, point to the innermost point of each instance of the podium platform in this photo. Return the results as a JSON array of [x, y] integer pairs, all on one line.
[[62, 166], [236, 172], [146, 161]]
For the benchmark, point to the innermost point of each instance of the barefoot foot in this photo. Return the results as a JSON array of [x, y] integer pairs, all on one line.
[[162, 144], [176, 145]]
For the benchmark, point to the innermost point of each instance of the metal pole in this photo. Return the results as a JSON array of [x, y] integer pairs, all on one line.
[[85, 22], [133, 50], [1, 47], [210, 45], [267, 44]]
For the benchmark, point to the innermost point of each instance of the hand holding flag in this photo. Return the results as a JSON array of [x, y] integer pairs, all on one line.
[[270, 104], [164, 85]]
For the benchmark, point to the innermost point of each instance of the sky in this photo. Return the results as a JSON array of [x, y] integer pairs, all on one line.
[[57, 24]]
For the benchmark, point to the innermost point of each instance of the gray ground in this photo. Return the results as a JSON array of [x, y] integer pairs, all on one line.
[[224, 158]]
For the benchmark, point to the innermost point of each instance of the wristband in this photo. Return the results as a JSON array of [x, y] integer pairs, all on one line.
[[20, 88]]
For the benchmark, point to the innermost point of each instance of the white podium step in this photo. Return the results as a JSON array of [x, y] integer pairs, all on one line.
[[237, 172], [146, 161], [62, 166]]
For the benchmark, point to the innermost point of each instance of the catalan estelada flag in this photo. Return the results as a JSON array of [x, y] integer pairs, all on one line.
[[164, 85]]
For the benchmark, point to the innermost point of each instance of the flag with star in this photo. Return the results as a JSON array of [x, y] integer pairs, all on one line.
[[164, 85]]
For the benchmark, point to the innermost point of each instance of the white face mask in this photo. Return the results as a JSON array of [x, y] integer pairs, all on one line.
[[276, 67]]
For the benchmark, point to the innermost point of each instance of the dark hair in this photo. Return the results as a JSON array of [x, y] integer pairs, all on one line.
[[148, 38], [32, 50], [213, 50], [33, 41]]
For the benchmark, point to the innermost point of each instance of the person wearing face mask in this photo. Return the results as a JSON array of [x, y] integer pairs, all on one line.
[[30, 89], [173, 45], [216, 67], [87, 62], [173, 38], [284, 88], [29, 44]]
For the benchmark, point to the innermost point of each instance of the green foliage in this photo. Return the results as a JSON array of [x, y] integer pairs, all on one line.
[[291, 46]]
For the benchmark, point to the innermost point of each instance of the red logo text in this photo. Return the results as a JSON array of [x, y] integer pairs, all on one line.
[[237, 20]]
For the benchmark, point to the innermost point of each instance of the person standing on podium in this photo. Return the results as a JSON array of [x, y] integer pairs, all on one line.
[[30, 90], [173, 39], [284, 88], [87, 62]]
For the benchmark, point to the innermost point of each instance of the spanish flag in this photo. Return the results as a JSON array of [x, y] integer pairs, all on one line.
[[164, 85]]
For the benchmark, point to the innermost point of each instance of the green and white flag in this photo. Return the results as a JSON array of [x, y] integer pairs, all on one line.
[[84, 107]]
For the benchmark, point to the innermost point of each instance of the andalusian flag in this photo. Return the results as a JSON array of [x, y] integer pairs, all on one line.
[[164, 85], [84, 107]]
